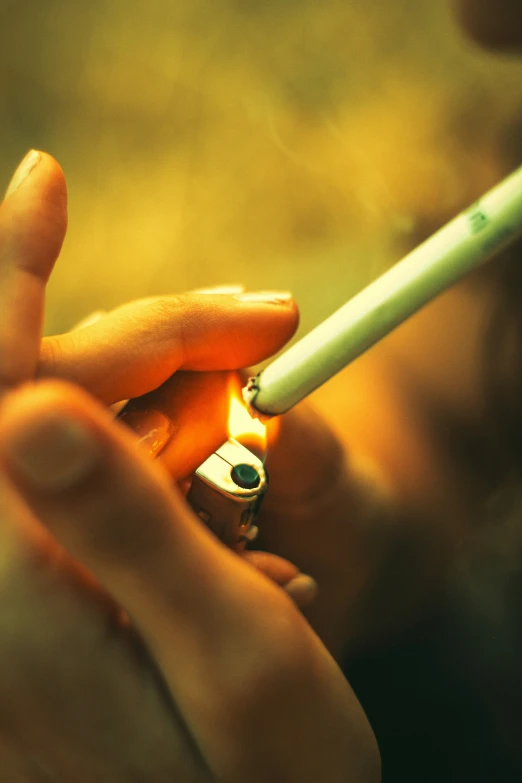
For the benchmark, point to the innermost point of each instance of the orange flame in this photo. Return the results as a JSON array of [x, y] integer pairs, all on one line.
[[241, 426]]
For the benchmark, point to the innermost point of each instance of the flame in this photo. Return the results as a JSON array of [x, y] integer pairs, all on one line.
[[242, 426]]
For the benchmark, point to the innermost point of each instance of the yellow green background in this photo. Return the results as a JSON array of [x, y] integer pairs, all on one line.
[[288, 144]]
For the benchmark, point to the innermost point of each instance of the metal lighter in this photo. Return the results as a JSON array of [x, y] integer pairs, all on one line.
[[227, 491]]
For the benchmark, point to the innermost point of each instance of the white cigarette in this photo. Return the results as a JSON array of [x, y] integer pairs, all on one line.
[[462, 245]]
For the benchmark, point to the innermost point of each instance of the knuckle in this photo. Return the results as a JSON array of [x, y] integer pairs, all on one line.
[[166, 319], [52, 351], [168, 307], [47, 361]]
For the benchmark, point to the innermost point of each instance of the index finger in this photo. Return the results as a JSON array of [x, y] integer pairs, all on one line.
[[139, 345], [33, 221]]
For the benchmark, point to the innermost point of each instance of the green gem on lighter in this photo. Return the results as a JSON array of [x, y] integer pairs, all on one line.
[[245, 476]]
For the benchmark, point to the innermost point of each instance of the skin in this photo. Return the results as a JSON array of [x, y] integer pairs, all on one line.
[[354, 488], [217, 676]]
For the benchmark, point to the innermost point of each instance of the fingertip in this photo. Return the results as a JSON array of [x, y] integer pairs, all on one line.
[[137, 347], [23, 411], [293, 315], [59, 412], [53, 182], [247, 330], [302, 590], [49, 189], [197, 406], [39, 170], [282, 326], [34, 212], [277, 320], [31, 400], [276, 568]]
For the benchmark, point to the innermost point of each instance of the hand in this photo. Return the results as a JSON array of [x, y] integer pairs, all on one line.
[[74, 665], [251, 694], [137, 346]]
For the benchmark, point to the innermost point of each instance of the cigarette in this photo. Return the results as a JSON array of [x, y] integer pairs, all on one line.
[[467, 241]]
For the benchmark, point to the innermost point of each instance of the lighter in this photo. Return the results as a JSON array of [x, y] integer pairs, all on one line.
[[227, 491]]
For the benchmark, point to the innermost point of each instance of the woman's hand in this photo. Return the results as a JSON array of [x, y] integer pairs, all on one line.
[[216, 675], [137, 346], [233, 684]]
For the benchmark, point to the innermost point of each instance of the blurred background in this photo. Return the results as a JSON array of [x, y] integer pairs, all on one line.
[[289, 144]]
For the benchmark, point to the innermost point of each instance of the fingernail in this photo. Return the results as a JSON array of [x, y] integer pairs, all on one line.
[[153, 428], [223, 290], [54, 453], [116, 407], [302, 589], [89, 320], [30, 162], [252, 533], [267, 297]]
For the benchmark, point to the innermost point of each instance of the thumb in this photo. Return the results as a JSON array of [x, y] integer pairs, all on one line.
[[309, 488], [33, 222], [305, 456]]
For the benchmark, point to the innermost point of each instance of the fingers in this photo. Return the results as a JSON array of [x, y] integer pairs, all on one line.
[[306, 514], [136, 347], [33, 221], [305, 458], [185, 419], [190, 412], [301, 588], [240, 662], [78, 465], [276, 568], [119, 515]]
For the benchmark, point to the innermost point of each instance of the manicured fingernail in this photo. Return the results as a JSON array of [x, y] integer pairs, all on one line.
[[154, 430], [30, 162], [302, 589], [223, 290], [54, 453], [89, 320], [252, 533], [116, 407], [267, 297]]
